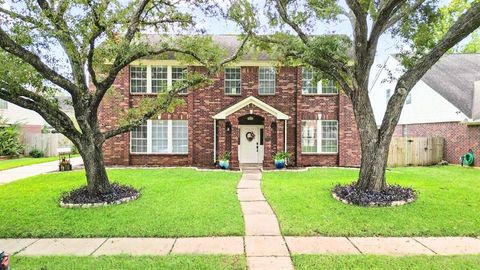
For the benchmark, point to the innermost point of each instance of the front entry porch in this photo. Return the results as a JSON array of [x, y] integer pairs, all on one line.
[[251, 131]]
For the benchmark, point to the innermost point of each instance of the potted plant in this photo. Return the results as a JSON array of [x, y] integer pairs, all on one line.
[[280, 159], [224, 161]]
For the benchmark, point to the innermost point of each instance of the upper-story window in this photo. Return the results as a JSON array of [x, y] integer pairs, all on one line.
[[3, 104], [156, 79], [266, 80], [159, 79], [325, 87], [138, 79], [233, 81], [178, 77]]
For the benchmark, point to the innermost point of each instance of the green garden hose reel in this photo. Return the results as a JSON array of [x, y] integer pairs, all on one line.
[[468, 158]]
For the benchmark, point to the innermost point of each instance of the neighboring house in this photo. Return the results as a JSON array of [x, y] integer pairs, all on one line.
[[30, 121], [444, 103], [252, 109]]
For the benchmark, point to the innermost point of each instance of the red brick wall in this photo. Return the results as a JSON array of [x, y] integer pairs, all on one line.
[[203, 103], [459, 138], [349, 140]]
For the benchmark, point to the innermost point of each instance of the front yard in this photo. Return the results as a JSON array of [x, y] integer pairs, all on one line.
[[170, 262], [369, 262], [173, 202], [448, 203]]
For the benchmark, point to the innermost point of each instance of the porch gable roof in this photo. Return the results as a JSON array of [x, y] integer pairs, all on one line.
[[247, 101]]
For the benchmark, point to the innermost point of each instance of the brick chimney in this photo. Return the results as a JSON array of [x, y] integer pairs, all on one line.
[[476, 101]]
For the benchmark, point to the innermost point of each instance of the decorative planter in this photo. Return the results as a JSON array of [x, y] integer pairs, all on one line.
[[224, 164], [280, 164], [65, 167]]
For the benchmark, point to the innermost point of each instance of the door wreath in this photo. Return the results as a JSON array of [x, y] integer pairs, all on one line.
[[250, 136]]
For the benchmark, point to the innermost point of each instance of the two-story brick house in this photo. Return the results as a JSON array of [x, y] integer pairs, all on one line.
[[252, 109]]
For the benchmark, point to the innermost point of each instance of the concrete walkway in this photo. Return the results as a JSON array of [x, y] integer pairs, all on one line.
[[265, 246], [15, 174]]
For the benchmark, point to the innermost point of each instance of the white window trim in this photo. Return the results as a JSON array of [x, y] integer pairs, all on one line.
[[149, 79], [150, 140], [274, 81], [319, 138], [225, 79]]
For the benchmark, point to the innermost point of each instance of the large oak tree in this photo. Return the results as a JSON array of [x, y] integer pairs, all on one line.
[[293, 27], [78, 47]]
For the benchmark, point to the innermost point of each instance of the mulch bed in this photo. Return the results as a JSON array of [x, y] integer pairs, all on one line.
[[81, 195], [391, 196]]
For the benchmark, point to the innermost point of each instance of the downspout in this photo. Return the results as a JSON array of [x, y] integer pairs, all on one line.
[[214, 141], [285, 130], [296, 115]]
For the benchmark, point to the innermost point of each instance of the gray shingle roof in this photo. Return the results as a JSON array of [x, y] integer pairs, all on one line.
[[229, 42], [453, 77]]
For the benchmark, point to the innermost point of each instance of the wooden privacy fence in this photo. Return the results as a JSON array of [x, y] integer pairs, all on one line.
[[415, 151], [48, 143]]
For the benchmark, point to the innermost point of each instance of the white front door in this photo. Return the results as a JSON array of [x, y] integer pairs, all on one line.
[[250, 149]]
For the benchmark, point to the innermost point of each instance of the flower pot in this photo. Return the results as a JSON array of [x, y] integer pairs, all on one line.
[[280, 164], [224, 164]]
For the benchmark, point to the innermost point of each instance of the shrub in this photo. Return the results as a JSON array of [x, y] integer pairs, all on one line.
[[281, 156], [35, 153], [225, 156], [10, 140]]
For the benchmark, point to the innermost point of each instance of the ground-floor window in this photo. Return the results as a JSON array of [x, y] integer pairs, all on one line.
[[160, 137], [319, 136]]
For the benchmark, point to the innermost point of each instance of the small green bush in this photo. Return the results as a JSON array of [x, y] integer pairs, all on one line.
[[10, 140], [225, 156], [35, 153], [282, 156]]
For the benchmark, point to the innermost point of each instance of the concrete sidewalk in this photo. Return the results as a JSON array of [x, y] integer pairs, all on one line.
[[15, 174], [259, 249]]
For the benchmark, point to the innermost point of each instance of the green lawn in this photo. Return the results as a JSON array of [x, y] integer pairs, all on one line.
[[19, 162], [173, 202], [129, 262], [363, 262], [448, 203]]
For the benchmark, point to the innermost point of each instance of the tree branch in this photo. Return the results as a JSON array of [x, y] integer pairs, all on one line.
[[172, 94], [66, 40], [22, 97], [119, 63], [239, 50], [465, 24], [91, 42], [360, 34], [153, 110], [378, 28], [283, 14], [32, 59], [402, 13]]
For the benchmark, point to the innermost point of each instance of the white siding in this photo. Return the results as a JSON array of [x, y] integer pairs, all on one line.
[[15, 113], [427, 105]]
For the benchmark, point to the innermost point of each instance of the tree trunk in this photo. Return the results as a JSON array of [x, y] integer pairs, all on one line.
[[374, 164], [375, 143], [97, 178]]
